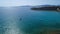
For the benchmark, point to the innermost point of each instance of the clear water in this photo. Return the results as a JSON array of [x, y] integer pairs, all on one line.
[[23, 20]]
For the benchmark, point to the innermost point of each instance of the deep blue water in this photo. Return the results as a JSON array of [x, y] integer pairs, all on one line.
[[23, 20]]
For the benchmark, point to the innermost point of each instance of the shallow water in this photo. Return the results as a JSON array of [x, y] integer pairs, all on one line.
[[23, 20]]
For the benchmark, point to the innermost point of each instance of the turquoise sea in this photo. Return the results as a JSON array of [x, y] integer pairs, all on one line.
[[23, 20]]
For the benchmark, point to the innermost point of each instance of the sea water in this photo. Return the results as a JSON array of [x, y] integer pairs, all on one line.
[[23, 20]]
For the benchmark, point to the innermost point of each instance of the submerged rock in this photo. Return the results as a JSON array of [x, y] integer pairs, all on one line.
[[20, 19]]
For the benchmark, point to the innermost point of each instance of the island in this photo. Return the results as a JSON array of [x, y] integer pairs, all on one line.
[[47, 7]]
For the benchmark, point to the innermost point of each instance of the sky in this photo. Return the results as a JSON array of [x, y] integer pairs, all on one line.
[[28, 2]]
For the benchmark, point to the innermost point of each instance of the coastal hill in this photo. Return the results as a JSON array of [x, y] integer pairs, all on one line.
[[46, 7]]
